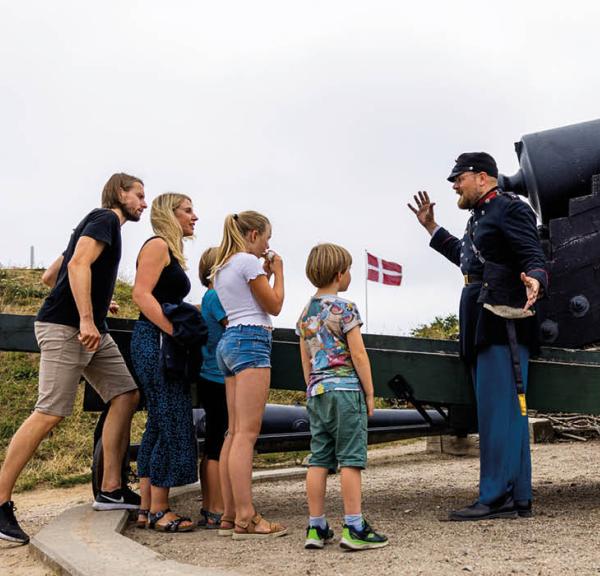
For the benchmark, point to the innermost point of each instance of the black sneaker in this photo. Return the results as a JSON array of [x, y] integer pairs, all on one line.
[[131, 496], [365, 539], [316, 537], [9, 527], [120, 499]]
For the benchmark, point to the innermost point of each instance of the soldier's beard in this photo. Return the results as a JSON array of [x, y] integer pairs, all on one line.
[[464, 203], [468, 201]]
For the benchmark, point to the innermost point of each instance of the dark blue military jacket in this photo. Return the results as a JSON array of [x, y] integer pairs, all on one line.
[[502, 229]]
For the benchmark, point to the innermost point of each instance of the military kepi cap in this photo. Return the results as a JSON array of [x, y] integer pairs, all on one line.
[[474, 162]]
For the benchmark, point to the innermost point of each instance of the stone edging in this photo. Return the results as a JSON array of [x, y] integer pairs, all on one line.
[[83, 542]]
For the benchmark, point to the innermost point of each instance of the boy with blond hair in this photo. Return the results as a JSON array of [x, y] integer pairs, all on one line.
[[339, 398]]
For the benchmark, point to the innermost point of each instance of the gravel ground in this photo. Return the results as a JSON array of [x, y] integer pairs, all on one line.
[[34, 510], [407, 493]]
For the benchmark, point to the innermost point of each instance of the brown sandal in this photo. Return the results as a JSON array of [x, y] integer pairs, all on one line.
[[247, 530], [223, 531], [143, 513]]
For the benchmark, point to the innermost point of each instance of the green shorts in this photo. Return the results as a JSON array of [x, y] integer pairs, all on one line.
[[338, 426]]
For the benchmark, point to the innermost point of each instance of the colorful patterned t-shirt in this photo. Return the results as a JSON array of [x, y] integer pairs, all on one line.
[[323, 325]]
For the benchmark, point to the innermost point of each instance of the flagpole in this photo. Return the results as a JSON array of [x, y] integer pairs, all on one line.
[[366, 293]]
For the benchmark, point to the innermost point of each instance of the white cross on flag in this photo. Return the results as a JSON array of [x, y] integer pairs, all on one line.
[[383, 271]]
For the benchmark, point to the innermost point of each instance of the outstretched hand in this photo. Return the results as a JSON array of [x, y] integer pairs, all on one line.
[[532, 287], [424, 211]]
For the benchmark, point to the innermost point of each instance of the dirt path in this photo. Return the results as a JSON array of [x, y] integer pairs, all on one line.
[[407, 496], [35, 510]]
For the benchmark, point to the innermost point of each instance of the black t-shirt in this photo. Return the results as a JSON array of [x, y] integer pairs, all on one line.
[[59, 307]]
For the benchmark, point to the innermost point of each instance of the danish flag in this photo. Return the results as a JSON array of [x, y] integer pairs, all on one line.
[[383, 271]]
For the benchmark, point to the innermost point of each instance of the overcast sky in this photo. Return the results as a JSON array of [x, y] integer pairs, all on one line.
[[325, 116]]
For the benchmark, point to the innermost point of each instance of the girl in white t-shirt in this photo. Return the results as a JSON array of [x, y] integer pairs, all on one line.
[[241, 281]]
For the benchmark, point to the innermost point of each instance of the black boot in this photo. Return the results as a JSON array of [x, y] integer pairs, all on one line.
[[524, 508], [502, 508]]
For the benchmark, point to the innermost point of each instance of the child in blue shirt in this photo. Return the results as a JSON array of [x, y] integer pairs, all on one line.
[[340, 397], [211, 389]]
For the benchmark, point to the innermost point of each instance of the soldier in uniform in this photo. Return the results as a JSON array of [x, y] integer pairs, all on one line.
[[504, 272]]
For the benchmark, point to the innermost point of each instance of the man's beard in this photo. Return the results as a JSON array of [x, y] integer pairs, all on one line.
[[130, 215], [464, 203]]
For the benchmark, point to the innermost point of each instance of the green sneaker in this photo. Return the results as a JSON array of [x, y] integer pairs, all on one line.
[[364, 539], [317, 537]]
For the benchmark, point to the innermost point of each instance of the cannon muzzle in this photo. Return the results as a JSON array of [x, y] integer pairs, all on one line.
[[555, 166]]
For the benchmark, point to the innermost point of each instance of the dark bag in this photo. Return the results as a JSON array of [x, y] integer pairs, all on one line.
[[181, 354]]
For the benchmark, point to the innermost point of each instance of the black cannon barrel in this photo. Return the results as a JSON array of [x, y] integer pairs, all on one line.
[[287, 428], [555, 166]]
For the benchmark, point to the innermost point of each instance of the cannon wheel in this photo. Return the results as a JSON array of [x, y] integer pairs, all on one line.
[[98, 460]]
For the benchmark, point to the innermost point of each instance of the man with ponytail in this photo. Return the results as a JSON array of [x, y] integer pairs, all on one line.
[[73, 338], [244, 356]]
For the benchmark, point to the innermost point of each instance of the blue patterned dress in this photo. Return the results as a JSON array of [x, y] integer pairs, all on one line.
[[167, 453]]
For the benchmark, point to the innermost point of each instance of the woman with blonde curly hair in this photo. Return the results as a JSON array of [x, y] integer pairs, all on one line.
[[167, 454]]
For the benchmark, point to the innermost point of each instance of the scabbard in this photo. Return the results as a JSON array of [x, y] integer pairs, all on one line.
[[515, 357]]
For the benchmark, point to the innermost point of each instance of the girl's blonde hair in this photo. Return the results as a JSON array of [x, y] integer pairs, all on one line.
[[165, 225], [234, 232], [325, 261], [207, 261]]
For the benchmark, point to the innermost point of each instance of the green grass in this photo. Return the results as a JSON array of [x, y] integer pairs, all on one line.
[[277, 459], [21, 290], [64, 458]]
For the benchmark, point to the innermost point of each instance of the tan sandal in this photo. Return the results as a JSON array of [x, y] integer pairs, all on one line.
[[222, 531], [247, 530]]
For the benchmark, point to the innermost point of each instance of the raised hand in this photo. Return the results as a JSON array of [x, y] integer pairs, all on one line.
[[273, 263], [424, 211]]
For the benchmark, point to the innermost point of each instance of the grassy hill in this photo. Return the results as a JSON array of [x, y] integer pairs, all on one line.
[[65, 457], [22, 292]]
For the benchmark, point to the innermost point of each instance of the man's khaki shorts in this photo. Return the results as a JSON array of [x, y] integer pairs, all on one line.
[[64, 360]]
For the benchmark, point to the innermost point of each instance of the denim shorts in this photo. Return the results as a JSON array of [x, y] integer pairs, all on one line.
[[243, 347]]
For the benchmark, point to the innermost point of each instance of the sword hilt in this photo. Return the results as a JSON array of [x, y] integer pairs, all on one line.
[[523, 404]]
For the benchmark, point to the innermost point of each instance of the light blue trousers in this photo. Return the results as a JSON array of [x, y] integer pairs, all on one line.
[[505, 460]]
